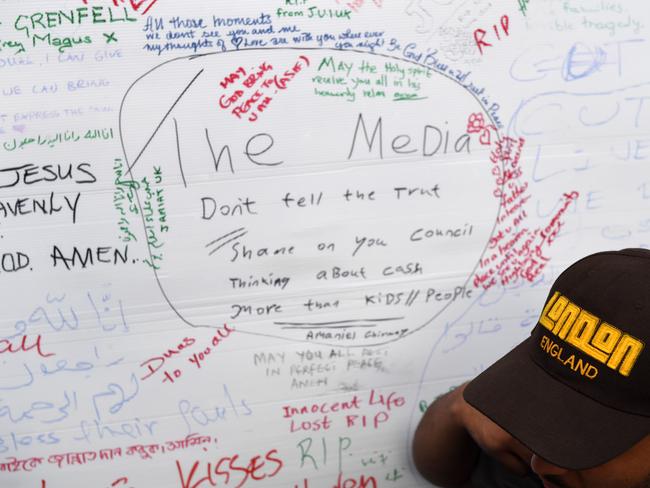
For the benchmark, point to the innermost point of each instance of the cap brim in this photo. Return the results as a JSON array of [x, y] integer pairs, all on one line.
[[561, 425]]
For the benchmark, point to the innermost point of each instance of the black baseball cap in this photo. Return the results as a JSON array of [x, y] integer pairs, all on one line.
[[577, 391]]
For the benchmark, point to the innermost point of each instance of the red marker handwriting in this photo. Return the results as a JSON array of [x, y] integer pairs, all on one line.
[[156, 363], [115, 484], [341, 482], [7, 346], [135, 4], [241, 469], [253, 90], [153, 364], [515, 251], [481, 34], [362, 482]]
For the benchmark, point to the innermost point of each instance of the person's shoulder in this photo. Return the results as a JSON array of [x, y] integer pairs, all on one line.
[[490, 474]]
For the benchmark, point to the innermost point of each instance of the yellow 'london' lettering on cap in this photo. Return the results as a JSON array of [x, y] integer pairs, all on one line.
[[589, 334]]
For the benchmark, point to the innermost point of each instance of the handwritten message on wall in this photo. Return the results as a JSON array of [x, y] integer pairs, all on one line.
[[248, 245]]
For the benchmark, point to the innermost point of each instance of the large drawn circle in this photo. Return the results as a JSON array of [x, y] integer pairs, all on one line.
[[223, 191]]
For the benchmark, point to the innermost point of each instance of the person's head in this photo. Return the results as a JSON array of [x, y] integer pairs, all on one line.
[[577, 392], [631, 469]]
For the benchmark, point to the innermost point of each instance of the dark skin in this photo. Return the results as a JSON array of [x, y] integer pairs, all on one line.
[[451, 434]]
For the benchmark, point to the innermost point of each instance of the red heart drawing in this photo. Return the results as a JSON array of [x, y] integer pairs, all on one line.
[[485, 137]]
